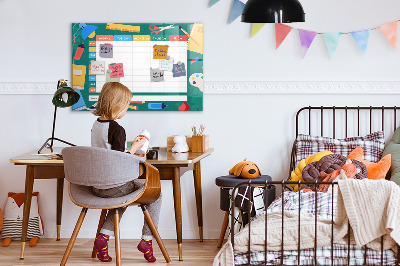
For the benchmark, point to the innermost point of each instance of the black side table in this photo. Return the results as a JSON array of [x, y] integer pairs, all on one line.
[[226, 183]]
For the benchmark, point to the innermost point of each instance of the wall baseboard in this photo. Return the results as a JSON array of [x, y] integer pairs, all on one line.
[[242, 87], [132, 233]]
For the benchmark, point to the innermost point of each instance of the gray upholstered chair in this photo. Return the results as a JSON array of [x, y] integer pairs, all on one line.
[[85, 167]]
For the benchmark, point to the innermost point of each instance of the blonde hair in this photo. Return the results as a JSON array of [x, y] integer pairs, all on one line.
[[114, 96]]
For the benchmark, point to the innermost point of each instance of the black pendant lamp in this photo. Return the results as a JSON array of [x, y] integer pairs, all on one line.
[[273, 11]]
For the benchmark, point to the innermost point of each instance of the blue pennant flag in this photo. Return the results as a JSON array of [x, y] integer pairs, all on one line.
[[237, 9], [213, 2], [361, 37], [332, 41]]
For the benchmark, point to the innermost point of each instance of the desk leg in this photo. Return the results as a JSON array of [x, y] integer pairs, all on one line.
[[176, 182], [199, 204], [27, 206], [60, 190]]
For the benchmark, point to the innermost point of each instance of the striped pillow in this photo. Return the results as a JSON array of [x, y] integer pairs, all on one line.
[[372, 145]]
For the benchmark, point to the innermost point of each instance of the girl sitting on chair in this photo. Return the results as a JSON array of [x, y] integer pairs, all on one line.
[[106, 133]]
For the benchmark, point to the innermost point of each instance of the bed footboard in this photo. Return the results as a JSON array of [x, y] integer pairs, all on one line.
[[383, 258]]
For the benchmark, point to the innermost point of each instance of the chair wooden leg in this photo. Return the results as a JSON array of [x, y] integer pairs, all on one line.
[[101, 222], [154, 230], [117, 239], [73, 237], [223, 229]]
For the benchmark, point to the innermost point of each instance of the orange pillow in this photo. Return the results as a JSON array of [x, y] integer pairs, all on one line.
[[375, 170]]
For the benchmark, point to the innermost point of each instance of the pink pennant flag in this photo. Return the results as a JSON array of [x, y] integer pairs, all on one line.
[[306, 39], [281, 31], [389, 30]]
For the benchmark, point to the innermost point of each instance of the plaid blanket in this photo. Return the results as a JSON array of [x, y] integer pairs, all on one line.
[[306, 201], [340, 254], [323, 205]]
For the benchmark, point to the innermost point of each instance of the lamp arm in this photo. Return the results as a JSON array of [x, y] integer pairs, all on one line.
[[54, 126], [51, 140]]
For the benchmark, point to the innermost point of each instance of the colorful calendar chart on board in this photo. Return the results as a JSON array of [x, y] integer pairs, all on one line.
[[162, 64]]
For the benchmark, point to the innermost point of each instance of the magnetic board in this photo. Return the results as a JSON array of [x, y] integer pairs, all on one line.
[[162, 64]]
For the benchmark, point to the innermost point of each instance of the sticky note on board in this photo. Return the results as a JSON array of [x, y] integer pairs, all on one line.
[[156, 75], [196, 34], [78, 76], [110, 79], [106, 50], [160, 51], [117, 70], [179, 70], [98, 68], [166, 64]]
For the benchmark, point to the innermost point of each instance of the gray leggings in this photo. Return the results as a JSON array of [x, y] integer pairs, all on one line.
[[154, 208]]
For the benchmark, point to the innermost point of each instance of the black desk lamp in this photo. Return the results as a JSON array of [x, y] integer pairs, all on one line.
[[273, 11], [63, 97]]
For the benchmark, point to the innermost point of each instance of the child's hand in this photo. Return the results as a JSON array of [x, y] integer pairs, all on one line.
[[142, 155], [137, 144]]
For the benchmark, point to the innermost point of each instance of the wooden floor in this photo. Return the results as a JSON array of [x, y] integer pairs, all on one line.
[[50, 252]]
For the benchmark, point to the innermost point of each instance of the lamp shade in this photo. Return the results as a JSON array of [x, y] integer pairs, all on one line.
[[65, 96], [273, 11]]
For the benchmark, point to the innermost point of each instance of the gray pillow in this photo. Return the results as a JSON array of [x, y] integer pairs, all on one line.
[[393, 148]]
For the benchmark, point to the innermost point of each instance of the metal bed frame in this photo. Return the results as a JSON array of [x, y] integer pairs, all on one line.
[[283, 184]]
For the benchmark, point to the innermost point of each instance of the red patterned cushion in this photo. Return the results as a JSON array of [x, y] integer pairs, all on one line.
[[372, 144]]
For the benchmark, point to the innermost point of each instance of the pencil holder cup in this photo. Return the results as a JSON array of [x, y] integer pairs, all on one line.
[[200, 143]]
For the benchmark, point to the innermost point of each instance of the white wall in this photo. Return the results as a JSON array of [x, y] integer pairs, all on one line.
[[35, 47]]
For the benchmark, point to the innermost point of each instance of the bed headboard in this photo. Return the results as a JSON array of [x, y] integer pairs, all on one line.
[[345, 117], [344, 121]]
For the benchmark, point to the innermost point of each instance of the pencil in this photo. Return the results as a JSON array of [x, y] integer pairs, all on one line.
[[187, 34]]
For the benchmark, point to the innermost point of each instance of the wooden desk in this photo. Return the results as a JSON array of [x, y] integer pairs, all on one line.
[[171, 167]]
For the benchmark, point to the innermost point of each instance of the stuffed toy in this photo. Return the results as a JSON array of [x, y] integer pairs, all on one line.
[[328, 164], [348, 170], [375, 170], [180, 144], [245, 169], [13, 215], [296, 174]]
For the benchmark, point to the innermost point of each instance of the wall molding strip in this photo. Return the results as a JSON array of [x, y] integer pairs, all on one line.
[[243, 87]]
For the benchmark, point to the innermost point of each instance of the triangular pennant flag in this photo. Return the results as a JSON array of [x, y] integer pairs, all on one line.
[[306, 39], [237, 9], [256, 27], [213, 2], [361, 37], [281, 31], [389, 30], [332, 41]]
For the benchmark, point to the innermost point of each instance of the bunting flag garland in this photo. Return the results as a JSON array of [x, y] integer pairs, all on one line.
[[281, 31], [389, 30], [213, 2], [256, 27], [361, 37], [332, 41], [306, 39], [237, 8]]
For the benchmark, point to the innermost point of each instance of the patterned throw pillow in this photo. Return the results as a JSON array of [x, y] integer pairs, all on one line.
[[372, 145]]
